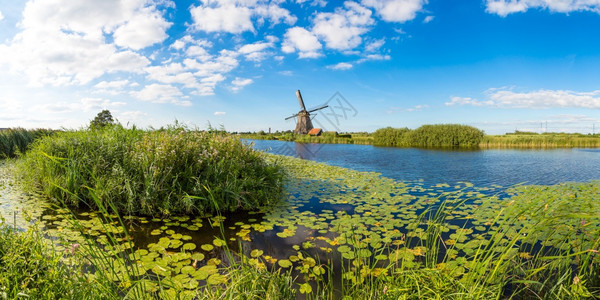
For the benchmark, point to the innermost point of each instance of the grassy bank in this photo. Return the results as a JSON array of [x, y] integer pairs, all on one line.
[[157, 172], [16, 140], [547, 140], [404, 137]]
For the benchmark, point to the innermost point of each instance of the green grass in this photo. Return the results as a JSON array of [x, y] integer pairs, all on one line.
[[155, 172], [16, 140], [31, 268], [547, 140]]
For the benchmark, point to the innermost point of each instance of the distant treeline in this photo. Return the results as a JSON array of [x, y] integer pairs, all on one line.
[[16, 140], [440, 135]]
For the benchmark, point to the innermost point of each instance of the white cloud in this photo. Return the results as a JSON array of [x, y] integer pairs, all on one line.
[[161, 93], [89, 104], [419, 107], [374, 57], [255, 52], [238, 83], [220, 113], [236, 16], [540, 99], [428, 19], [131, 116], [504, 7], [342, 30], [303, 41], [227, 17], [396, 10], [374, 45], [1, 16], [144, 29], [341, 66], [64, 42]]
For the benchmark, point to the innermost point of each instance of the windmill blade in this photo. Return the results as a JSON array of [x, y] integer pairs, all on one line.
[[291, 117], [300, 101], [318, 108]]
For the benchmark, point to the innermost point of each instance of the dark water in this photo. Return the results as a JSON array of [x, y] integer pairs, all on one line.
[[504, 167]]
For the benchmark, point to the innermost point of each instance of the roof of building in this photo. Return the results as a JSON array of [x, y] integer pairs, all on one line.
[[315, 131]]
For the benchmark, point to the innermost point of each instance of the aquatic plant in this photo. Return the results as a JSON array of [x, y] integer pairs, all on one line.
[[16, 140], [156, 172]]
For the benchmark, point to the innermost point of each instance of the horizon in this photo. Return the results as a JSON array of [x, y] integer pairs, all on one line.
[[495, 65]]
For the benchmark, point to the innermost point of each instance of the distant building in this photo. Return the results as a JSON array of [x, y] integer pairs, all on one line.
[[315, 132]]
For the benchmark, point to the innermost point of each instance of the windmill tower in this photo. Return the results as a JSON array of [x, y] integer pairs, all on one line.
[[304, 124]]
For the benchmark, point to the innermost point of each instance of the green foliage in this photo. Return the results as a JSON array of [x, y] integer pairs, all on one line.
[[441, 135], [546, 140], [16, 140], [103, 118], [391, 137], [30, 268], [172, 170], [446, 135]]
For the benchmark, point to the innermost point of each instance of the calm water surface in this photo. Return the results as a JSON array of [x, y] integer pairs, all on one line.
[[503, 167]]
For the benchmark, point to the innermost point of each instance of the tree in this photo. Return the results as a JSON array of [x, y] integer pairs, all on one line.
[[102, 119]]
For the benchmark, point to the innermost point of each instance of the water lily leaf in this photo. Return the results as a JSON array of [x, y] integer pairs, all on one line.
[[284, 263], [256, 253], [189, 246]]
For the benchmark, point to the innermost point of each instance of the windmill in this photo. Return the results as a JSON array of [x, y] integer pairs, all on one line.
[[304, 122]]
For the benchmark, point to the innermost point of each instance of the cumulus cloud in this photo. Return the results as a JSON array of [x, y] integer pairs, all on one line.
[[161, 93], [1, 16], [238, 83], [303, 41], [504, 7], [227, 17], [73, 34], [396, 10], [342, 29], [540, 99], [256, 51], [428, 19], [235, 16], [341, 66], [91, 104]]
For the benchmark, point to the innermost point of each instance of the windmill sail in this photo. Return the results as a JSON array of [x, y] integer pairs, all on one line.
[[300, 100]]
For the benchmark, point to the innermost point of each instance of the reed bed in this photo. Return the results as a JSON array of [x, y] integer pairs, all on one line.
[[15, 141], [157, 172], [556, 140], [429, 136]]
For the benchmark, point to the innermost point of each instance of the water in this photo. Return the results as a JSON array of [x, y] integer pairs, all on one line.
[[504, 167]]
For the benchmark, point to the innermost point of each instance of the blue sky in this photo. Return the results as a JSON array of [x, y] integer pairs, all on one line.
[[497, 65]]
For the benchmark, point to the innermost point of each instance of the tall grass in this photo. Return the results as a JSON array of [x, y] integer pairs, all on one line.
[[31, 268], [533, 140], [151, 172], [16, 140], [439, 135]]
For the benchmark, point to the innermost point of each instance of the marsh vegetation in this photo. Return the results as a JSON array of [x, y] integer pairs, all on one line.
[[335, 233]]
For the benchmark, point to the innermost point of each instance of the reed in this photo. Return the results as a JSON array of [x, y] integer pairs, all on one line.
[[15, 141], [155, 172]]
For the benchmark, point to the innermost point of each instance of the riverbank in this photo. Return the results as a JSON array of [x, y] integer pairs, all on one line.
[[342, 232], [507, 141]]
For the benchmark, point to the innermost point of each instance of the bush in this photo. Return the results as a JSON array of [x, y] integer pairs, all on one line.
[[166, 171]]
